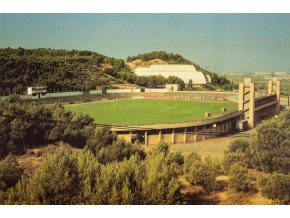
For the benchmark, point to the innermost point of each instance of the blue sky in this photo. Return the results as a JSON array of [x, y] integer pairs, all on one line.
[[221, 42]]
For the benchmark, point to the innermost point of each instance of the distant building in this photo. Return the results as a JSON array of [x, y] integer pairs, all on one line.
[[262, 73], [280, 73], [39, 91], [184, 72], [172, 87]]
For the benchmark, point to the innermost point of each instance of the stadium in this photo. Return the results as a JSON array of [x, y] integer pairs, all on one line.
[[154, 115]]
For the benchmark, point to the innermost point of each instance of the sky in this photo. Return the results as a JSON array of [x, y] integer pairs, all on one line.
[[224, 43]]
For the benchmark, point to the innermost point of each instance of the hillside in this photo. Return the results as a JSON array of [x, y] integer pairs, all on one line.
[[162, 57], [69, 70], [142, 63], [57, 69]]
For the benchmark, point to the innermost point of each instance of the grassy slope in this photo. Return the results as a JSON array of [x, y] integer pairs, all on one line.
[[135, 112]]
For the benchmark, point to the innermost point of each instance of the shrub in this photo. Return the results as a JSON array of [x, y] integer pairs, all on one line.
[[10, 172], [201, 173], [239, 180], [241, 145], [119, 151], [275, 187], [232, 158], [270, 147]]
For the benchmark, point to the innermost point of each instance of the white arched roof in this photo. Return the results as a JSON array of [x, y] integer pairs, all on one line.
[[185, 72]]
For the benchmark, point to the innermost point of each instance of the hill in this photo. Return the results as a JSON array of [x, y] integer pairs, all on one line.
[[57, 69], [170, 58], [67, 70], [141, 63], [161, 57]]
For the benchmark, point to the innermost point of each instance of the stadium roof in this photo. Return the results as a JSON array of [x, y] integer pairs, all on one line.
[[185, 72]]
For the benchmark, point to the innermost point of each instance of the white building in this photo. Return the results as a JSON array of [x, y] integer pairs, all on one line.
[[184, 72], [39, 91], [262, 73], [172, 87], [280, 73]]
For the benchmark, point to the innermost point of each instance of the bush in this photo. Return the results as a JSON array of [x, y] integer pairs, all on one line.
[[237, 152], [56, 181], [201, 173], [270, 147], [162, 147], [239, 180], [29, 125], [275, 187], [232, 158], [119, 151], [100, 138], [10, 172], [241, 145]]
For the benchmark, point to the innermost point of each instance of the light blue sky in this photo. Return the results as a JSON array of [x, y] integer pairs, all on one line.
[[221, 42]]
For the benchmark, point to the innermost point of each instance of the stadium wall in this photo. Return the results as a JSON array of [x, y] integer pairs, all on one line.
[[198, 130], [97, 95]]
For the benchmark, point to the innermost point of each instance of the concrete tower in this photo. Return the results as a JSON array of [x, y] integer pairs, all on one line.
[[274, 87], [247, 100]]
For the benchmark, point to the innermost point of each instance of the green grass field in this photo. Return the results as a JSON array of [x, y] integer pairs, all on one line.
[[141, 111]]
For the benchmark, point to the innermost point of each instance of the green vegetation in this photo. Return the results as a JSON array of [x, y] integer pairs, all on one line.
[[270, 145], [149, 81], [269, 153], [107, 170], [10, 172], [62, 70], [170, 58], [237, 153], [24, 126], [68, 177], [135, 112], [239, 180], [57, 69], [276, 187], [118, 151], [201, 172]]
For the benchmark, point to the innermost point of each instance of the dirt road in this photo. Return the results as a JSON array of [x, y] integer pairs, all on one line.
[[212, 147]]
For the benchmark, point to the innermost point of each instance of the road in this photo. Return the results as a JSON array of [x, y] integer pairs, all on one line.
[[212, 147]]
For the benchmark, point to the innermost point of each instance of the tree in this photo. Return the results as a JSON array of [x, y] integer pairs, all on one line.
[[162, 147], [160, 183], [169, 57], [118, 151], [237, 152], [239, 180], [100, 138], [175, 80], [27, 125], [32, 67], [119, 182], [201, 173], [88, 169], [276, 187], [10, 172], [190, 85], [232, 158], [270, 147], [56, 181]]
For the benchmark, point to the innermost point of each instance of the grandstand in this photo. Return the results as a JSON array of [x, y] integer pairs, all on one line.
[[185, 72]]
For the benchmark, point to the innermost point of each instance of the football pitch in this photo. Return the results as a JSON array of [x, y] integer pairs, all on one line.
[[143, 111]]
